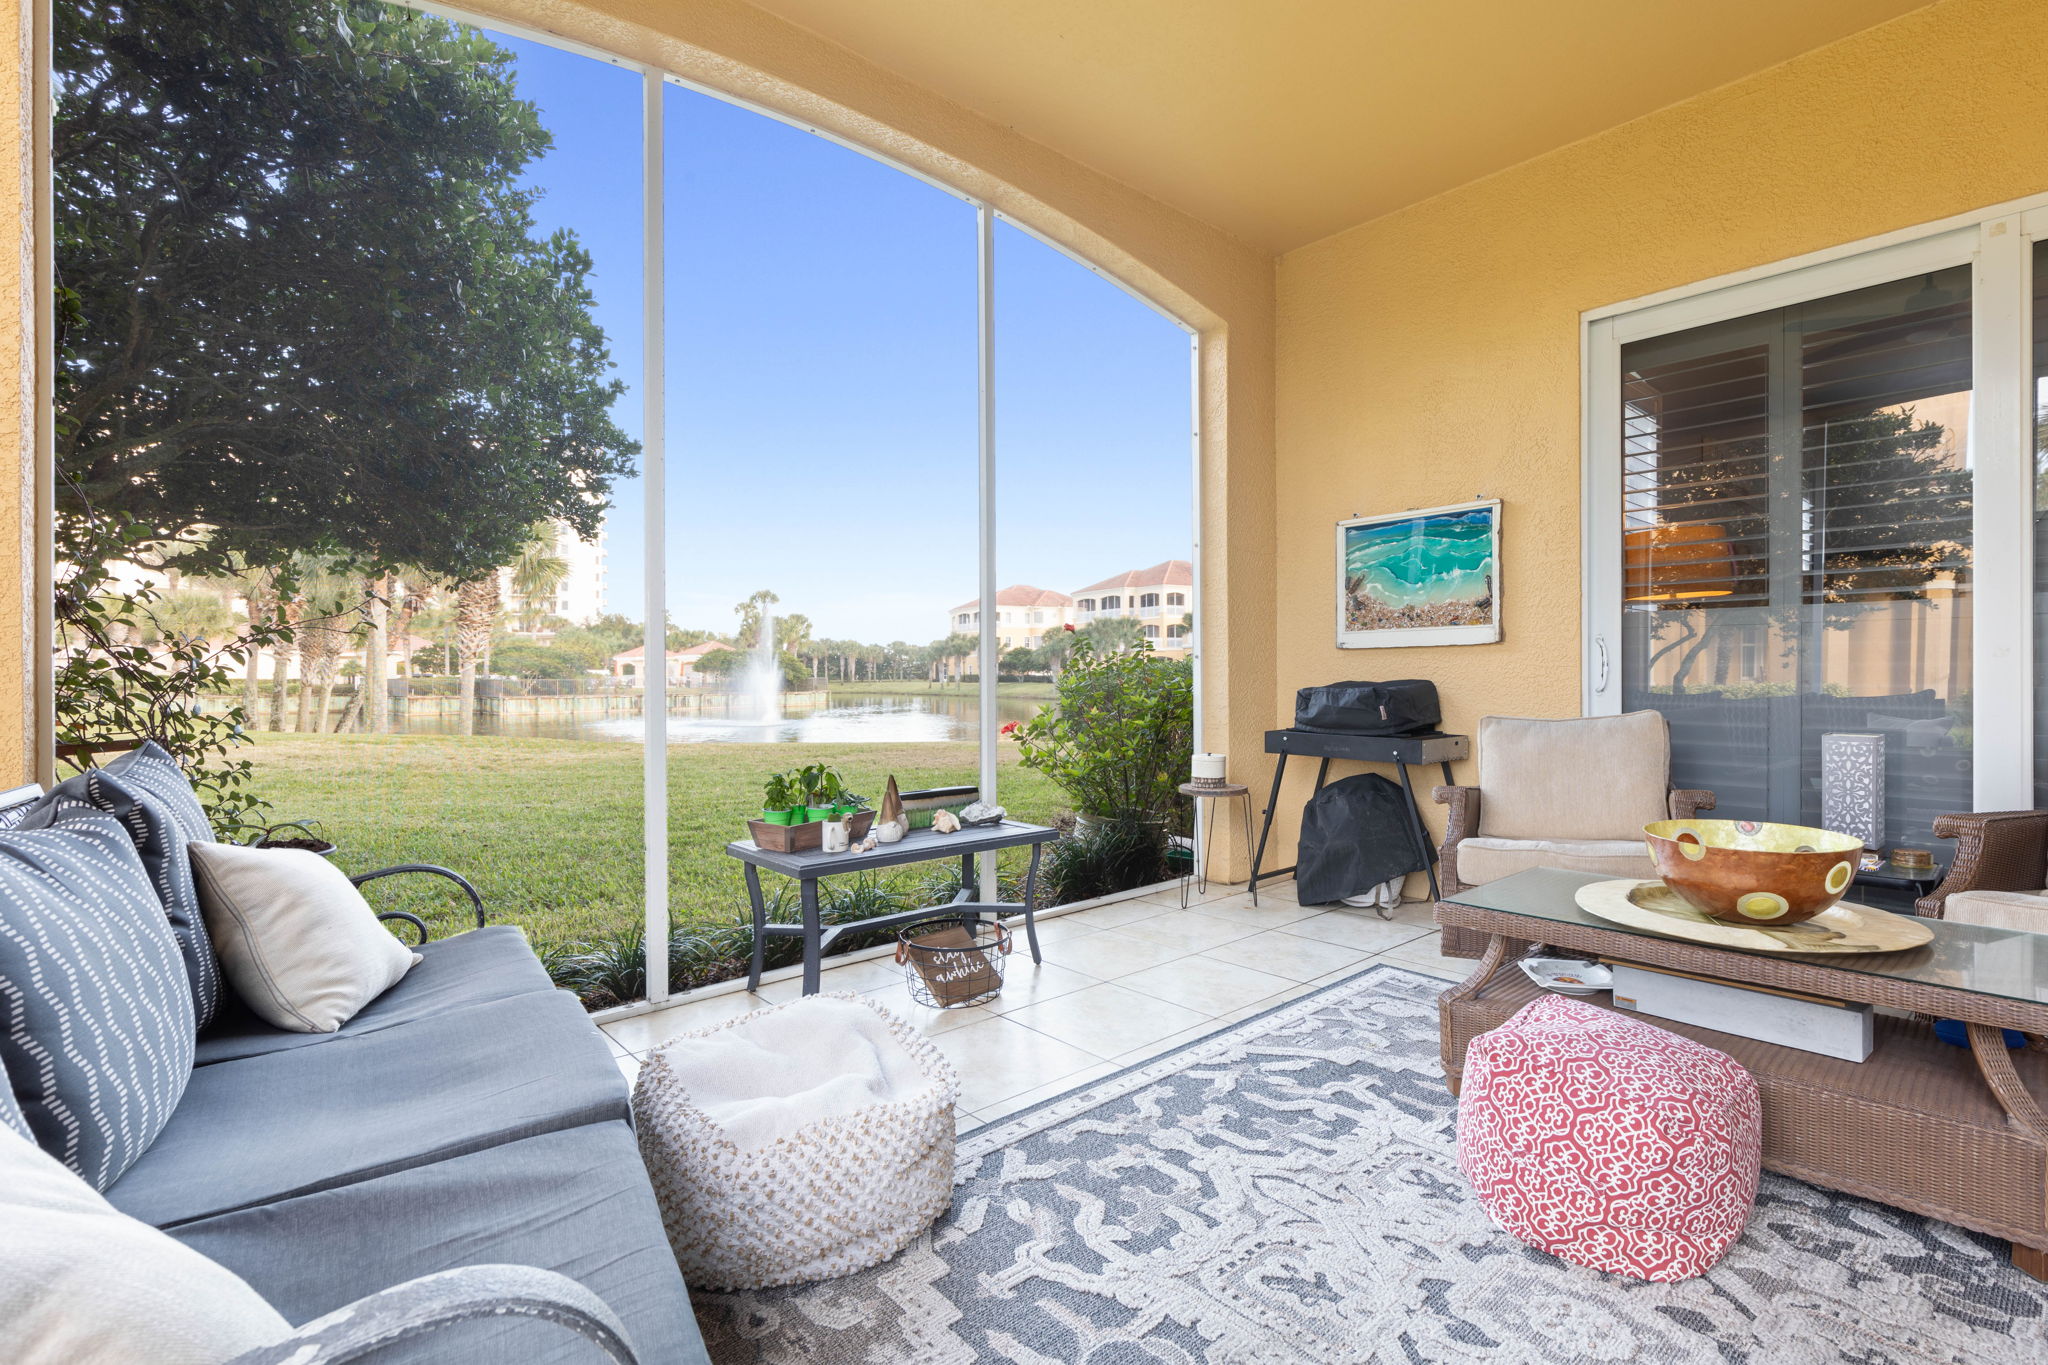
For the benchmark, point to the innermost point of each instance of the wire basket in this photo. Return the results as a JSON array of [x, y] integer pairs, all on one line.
[[953, 962]]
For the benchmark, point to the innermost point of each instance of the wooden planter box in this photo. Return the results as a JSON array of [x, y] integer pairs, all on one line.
[[808, 837]]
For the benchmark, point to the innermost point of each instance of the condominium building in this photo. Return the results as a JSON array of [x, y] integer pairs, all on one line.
[[1160, 599], [1023, 616]]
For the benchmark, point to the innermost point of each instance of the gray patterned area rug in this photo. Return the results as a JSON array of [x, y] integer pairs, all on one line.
[[1286, 1190]]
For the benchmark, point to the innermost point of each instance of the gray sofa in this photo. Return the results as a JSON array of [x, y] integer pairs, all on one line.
[[472, 1116]]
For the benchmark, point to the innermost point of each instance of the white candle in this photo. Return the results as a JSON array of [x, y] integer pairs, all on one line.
[[1208, 768]]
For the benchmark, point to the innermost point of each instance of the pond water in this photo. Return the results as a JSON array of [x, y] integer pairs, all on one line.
[[845, 718]]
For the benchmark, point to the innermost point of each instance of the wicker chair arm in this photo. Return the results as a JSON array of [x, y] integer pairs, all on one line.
[[476, 899], [2003, 850], [1686, 802], [411, 1311], [1461, 821]]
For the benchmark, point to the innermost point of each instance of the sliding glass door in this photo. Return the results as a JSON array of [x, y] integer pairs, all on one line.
[[1796, 537], [1812, 506]]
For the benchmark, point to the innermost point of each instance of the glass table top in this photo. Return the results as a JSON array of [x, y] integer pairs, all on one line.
[[1966, 957]]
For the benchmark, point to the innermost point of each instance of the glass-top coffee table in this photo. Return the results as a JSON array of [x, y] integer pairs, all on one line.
[[1957, 1134]]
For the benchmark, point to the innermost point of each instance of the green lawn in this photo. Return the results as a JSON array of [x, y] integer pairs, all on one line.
[[549, 830]]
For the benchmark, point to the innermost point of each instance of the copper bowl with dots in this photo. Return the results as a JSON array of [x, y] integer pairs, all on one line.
[[1753, 871]]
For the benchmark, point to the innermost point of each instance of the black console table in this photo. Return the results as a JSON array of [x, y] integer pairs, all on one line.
[[1398, 750]]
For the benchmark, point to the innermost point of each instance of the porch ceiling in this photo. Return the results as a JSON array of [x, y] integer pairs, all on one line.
[[1283, 121]]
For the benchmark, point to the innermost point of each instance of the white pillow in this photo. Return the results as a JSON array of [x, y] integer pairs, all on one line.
[[81, 1281], [296, 941]]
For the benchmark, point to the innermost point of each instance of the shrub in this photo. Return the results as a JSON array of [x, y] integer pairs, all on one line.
[[1120, 735], [518, 659], [1101, 858]]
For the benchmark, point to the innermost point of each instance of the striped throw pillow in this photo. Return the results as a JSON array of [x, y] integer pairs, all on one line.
[[147, 792], [96, 1024]]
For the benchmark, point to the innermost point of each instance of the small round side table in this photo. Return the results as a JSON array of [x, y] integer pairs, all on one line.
[[1212, 791]]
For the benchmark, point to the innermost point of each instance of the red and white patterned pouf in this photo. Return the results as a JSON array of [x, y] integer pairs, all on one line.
[[1609, 1142]]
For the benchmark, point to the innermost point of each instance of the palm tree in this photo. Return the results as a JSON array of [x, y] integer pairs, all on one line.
[[476, 616], [793, 636], [1114, 634], [1055, 648], [946, 654], [537, 573], [751, 613], [189, 614], [330, 602]]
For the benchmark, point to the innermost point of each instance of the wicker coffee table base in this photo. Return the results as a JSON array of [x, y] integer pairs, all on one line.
[[1918, 1125]]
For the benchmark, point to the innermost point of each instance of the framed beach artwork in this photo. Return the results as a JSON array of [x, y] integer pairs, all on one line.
[[1424, 577]]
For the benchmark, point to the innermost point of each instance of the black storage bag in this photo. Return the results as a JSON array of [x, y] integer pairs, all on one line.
[[1355, 835], [1405, 707]]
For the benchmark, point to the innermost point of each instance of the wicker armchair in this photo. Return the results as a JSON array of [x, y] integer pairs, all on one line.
[[2000, 874], [1559, 793]]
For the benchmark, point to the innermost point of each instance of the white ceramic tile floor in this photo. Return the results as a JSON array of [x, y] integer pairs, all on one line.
[[1360, 929], [1120, 984]]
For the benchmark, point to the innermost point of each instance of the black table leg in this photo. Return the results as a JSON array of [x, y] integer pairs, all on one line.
[[1421, 834], [813, 934], [1031, 901], [760, 926], [1248, 839], [1272, 801], [1322, 773]]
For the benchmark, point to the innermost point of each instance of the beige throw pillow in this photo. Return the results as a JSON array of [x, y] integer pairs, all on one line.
[[296, 941], [81, 1281]]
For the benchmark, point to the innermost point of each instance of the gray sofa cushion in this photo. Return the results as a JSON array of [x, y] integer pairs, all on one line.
[[147, 792], [96, 1026], [453, 973], [575, 1201], [361, 1105]]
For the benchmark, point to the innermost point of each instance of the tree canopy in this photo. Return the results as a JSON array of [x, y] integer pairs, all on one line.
[[308, 303]]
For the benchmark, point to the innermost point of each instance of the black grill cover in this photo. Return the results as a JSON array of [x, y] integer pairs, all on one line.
[[1354, 835], [1407, 706]]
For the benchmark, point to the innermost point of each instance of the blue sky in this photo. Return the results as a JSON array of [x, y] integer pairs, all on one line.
[[821, 433]]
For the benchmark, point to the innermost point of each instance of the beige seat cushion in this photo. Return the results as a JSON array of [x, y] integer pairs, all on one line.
[[2024, 910], [1596, 777], [1483, 859]]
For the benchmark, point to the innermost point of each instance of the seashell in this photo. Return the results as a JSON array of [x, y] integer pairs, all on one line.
[[867, 845], [888, 831], [945, 822]]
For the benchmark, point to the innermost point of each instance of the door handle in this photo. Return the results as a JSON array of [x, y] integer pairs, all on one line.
[[1600, 645]]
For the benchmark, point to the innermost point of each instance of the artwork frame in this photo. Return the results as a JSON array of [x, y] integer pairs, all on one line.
[[1464, 608]]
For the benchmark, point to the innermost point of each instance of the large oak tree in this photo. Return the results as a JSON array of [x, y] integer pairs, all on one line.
[[313, 310]]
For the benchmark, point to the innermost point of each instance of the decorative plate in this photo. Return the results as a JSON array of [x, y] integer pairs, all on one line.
[[1567, 976], [1842, 928]]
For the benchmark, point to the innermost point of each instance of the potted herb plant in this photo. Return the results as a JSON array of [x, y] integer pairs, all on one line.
[[822, 789], [779, 799]]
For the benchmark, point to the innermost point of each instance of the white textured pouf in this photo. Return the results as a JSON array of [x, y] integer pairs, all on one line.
[[797, 1143]]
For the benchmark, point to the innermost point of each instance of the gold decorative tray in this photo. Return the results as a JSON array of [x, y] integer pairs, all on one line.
[[1843, 928]]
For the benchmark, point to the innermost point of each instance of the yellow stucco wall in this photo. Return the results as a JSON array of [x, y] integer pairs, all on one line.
[[1432, 355], [17, 385]]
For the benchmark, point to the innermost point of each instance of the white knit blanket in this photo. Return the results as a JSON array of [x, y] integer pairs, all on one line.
[[772, 1073]]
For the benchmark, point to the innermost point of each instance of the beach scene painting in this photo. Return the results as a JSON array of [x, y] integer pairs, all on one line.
[[1427, 577]]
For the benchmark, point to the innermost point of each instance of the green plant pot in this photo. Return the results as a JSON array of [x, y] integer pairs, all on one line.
[[817, 813], [779, 817], [845, 808]]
